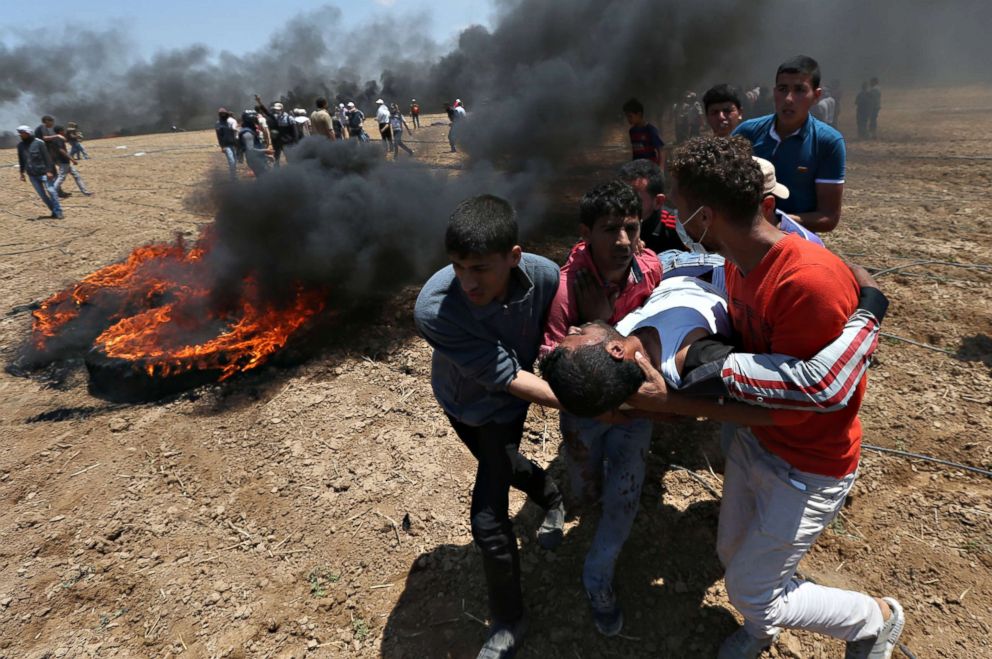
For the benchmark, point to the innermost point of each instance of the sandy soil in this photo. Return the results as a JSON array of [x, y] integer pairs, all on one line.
[[265, 518]]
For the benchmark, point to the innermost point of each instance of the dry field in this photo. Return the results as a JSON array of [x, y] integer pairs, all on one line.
[[265, 517]]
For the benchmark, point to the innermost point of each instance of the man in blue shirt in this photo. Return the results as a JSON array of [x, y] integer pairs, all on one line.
[[484, 316], [809, 155]]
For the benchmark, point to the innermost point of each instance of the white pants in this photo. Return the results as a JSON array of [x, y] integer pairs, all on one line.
[[771, 514]]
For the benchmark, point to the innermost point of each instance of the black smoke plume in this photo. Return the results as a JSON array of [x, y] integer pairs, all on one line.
[[545, 83]]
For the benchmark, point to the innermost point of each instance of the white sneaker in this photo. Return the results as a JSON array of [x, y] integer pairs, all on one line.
[[881, 646]]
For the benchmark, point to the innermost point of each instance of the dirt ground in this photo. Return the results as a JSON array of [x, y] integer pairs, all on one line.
[[322, 510]]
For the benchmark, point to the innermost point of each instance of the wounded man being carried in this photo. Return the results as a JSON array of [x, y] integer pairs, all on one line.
[[684, 330]]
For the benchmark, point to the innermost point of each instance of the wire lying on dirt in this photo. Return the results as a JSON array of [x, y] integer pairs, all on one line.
[[951, 264], [927, 458], [916, 343]]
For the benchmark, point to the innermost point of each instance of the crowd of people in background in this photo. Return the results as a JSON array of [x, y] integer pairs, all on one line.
[[263, 135]]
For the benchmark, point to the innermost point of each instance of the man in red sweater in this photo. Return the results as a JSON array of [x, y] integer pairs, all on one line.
[[788, 472]]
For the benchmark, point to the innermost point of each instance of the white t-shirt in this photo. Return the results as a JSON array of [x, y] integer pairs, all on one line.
[[382, 114], [675, 308]]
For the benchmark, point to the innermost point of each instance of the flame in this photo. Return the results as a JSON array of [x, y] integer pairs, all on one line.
[[155, 311]]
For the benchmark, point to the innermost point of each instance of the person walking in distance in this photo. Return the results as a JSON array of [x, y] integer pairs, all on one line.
[[862, 104], [36, 165], [382, 115], [66, 163], [396, 125], [874, 107]]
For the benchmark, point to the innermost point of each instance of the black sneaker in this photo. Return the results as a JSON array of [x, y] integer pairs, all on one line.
[[552, 530], [504, 640], [57, 216], [606, 612], [64, 195]]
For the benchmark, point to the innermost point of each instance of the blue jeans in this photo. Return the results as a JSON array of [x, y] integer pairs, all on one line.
[[67, 169], [232, 160], [45, 188], [677, 263], [78, 150], [606, 463]]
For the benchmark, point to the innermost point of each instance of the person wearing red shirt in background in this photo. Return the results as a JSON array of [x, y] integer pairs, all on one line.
[[415, 113], [605, 278], [645, 141], [787, 472]]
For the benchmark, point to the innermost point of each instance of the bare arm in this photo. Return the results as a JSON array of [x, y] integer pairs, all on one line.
[[827, 214], [531, 388]]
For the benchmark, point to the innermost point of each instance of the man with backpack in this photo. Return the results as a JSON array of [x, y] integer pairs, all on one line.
[[282, 126], [227, 139], [250, 140]]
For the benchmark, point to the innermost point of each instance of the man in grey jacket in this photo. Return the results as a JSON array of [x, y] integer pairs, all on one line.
[[484, 316], [36, 163]]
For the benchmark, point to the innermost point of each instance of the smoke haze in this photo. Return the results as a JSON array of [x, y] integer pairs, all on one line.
[[546, 82]]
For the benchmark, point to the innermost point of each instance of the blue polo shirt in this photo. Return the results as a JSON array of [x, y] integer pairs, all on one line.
[[813, 154]]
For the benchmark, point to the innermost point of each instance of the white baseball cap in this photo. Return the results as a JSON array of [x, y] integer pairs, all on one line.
[[769, 184], [24, 129], [350, 104], [379, 101]]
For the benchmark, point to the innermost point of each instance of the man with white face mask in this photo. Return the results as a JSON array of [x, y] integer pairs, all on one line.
[[787, 473]]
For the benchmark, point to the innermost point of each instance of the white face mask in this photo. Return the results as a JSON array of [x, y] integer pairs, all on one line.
[[696, 247]]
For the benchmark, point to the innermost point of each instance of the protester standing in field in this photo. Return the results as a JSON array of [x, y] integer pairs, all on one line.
[[645, 140], [415, 113], [227, 140], [320, 120]]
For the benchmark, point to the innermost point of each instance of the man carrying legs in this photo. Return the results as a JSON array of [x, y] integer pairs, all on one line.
[[605, 277], [484, 315]]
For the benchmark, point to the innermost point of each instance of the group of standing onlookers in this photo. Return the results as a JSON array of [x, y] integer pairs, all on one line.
[[868, 103], [47, 156], [264, 134]]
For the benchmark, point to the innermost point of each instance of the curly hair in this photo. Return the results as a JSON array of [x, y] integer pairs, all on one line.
[[611, 199], [588, 381], [719, 172]]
